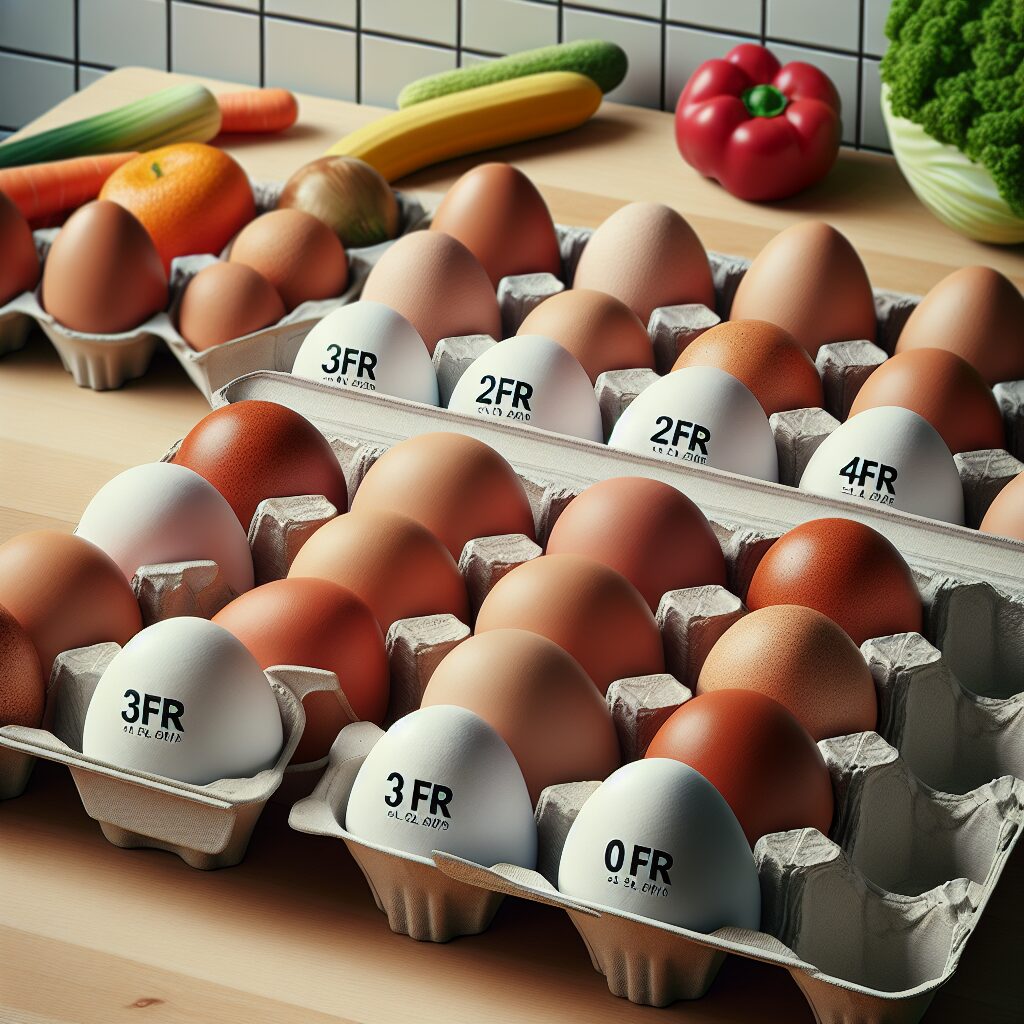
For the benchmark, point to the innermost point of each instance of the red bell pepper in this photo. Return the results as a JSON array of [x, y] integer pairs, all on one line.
[[763, 131]]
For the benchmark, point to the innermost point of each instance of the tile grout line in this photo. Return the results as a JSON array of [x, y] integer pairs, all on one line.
[[263, 42], [170, 34], [76, 28], [663, 97], [860, 77]]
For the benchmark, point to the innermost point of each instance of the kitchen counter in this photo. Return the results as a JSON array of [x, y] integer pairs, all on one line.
[[92, 933]]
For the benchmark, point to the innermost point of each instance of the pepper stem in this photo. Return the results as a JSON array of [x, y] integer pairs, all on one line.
[[764, 101]]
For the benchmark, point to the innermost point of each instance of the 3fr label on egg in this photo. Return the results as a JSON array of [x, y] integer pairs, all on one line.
[[506, 397], [681, 439], [870, 480], [428, 803], [153, 717], [350, 367]]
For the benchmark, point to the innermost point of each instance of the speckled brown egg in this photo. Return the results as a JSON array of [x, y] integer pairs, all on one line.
[[599, 330], [943, 388], [586, 608], [647, 255], [803, 660], [845, 570], [1005, 516], [66, 593], [496, 212], [810, 281], [225, 301], [19, 267], [977, 313], [457, 487], [767, 359], [648, 531], [438, 285], [396, 565], [538, 699], [254, 450], [22, 687]]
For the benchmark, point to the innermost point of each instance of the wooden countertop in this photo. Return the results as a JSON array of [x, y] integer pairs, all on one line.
[[90, 933]]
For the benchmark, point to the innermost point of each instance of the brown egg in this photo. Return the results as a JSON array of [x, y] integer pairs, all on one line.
[[810, 281], [66, 593], [757, 755], [1005, 516], [296, 252], [22, 687], [103, 274], [589, 610], [19, 267], [647, 530], [844, 570], [438, 285], [398, 567], [943, 388], [316, 624], [254, 450], [769, 360], [225, 301], [646, 255], [538, 699], [977, 313], [599, 330], [457, 487], [496, 212], [803, 660]]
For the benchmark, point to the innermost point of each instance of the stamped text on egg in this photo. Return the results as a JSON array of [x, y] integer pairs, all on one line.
[[497, 389], [859, 471], [432, 797], [343, 361], [657, 863], [146, 708], [672, 433]]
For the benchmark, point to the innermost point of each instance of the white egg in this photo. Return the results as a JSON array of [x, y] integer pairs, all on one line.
[[656, 839], [368, 346], [442, 779], [186, 700], [531, 379], [888, 457], [702, 415], [161, 512]]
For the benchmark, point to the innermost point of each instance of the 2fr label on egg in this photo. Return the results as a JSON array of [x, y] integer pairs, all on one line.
[[681, 439], [505, 396]]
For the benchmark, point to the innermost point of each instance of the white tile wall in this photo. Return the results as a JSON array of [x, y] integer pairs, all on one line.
[[310, 58], [875, 13], [389, 64], [335, 12], [730, 15], [430, 20], [88, 75], [872, 128], [685, 50], [843, 72], [645, 8], [504, 26], [835, 24], [118, 32], [29, 87], [209, 41], [42, 26]]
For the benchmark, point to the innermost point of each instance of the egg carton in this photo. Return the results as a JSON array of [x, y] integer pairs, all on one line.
[[106, 361]]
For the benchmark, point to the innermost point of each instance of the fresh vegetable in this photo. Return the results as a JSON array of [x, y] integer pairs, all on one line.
[[467, 122], [182, 113], [953, 100], [348, 195], [257, 110], [761, 130], [603, 62]]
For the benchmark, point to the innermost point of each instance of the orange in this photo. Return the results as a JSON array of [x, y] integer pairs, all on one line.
[[190, 197]]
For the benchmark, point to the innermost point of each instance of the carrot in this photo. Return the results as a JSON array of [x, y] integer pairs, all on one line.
[[257, 110], [44, 191]]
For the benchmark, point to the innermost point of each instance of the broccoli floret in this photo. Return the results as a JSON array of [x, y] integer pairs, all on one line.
[[956, 68]]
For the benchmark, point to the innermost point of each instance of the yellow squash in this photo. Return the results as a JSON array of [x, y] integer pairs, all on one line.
[[467, 122]]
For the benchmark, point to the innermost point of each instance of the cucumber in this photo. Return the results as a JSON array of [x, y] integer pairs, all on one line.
[[605, 63]]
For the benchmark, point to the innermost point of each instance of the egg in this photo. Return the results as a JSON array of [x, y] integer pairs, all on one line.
[[889, 457], [599, 330], [757, 755], [538, 699], [775, 368], [845, 570], [1005, 516], [647, 256], [496, 212], [296, 252], [103, 274], [370, 347], [456, 486], [442, 779], [809, 281], [19, 269], [977, 313], [701, 415], [66, 593], [255, 450], [398, 567], [588, 609], [648, 531], [438, 285], [317, 624], [800, 658], [162, 512], [185, 700], [658, 841], [22, 687], [226, 301], [944, 389], [533, 380]]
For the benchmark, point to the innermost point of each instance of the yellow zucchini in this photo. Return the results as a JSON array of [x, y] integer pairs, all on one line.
[[467, 122]]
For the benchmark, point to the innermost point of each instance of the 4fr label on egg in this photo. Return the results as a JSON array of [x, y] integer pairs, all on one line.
[[870, 480]]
